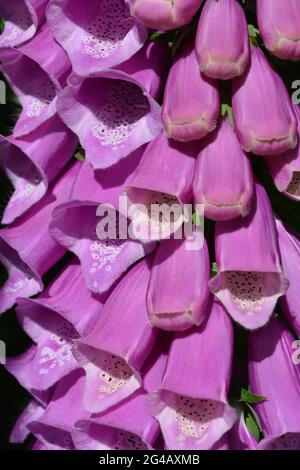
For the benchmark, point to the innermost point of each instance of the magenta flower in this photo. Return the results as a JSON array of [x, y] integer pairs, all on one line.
[[250, 277], [162, 14], [36, 72], [270, 367], [33, 161], [113, 361], [129, 425], [20, 430], [222, 41], [193, 410], [22, 19], [54, 428], [190, 305], [262, 110], [285, 169], [220, 162], [117, 121], [289, 245], [279, 24], [103, 261], [97, 35], [118, 143], [164, 176], [27, 249], [191, 102]]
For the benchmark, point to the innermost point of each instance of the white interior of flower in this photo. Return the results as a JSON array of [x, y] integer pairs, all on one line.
[[246, 288], [159, 211], [114, 373], [107, 29]]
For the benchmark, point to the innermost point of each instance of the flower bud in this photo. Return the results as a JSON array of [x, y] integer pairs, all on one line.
[[222, 41]]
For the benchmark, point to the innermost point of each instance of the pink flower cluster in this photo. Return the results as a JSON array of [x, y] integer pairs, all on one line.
[[133, 341]]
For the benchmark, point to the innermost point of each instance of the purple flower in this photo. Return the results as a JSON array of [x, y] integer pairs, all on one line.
[[22, 19], [220, 162], [274, 376], [20, 430], [162, 14], [129, 425], [191, 101], [33, 161], [54, 427], [36, 72], [279, 25], [103, 260], [222, 41], [115, 350], [289, 245], [250, 277], [54, 321], [27, 249], [97, 35], [124, 116], [190, 304], [164, 176], [192, 409], [285, 169], [262, 110], [240, 437]]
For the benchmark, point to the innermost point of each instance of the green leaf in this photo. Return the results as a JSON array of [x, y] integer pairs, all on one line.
[[227, 109], [252, 425], [249, 397], [196, 218], [214, 268], [79, 155], [155, 35], [253, 32]]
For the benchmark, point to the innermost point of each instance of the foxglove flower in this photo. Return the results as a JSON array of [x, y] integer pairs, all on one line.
[[274, 376], [103, 260], [279, 25], [285, 169], [54, 428], [20, 431], [36, 72], [192, 409], [114, 352], [129, 425], [289, 245], [22, 19], [33, 161], [96, 36], [250, 278], [222, 41], [190, 304], [112, 124], [191, 101], [164, 14], [164, 177], [27, 249], [54, 321], [240, 437], [262, 110], [223, 177]]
